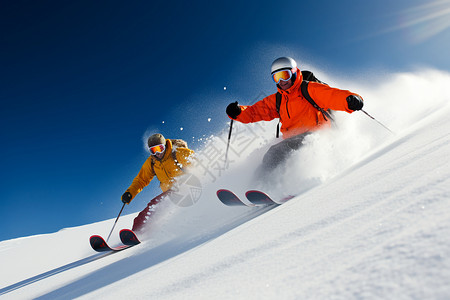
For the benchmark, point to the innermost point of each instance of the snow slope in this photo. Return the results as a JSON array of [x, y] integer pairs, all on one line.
[[372, 223]]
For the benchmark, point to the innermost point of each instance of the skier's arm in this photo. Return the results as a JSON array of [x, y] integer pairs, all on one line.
[[332, 98], [143, 178], [263, 110]]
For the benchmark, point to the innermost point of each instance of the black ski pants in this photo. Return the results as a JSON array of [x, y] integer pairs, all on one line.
[[278, 153]]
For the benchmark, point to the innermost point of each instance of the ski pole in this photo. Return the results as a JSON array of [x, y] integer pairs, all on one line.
[[377, 121], [228, 144], [115, 222]]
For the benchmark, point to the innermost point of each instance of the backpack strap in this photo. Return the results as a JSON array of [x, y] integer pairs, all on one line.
[[153, 165], [278, 104], [304, 89], [174, 156]]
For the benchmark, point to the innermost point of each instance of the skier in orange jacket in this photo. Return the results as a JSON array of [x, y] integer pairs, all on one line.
[[297, 115]]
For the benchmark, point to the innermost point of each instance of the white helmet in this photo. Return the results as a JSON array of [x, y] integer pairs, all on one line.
[[283, 63]]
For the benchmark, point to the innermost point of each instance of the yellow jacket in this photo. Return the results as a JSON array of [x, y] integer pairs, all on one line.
[[165, 169]]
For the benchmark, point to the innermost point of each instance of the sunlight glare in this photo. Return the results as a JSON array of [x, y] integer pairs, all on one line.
[[427, 20]]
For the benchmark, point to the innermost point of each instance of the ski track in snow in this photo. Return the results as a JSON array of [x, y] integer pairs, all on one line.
[[372, 222]]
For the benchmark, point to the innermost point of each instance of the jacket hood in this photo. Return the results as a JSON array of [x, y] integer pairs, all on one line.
[[169, 148], [167, 152], [295, 86]]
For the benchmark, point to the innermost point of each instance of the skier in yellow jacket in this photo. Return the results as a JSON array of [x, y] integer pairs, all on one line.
[[168, 159]]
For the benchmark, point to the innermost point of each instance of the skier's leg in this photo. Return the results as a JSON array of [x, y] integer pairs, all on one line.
[[280, 152], [146, 214]]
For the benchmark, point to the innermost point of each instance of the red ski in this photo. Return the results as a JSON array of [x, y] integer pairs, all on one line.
[[261, 198], [256, 198], [128, 238], [230, 199]]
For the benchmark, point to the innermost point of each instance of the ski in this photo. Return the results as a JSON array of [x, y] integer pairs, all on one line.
[[260, 198], [256, 198], [128, 238], [228, 198], [100, 245]]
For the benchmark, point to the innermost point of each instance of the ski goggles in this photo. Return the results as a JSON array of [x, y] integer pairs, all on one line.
[[157, 149], [284, 75]]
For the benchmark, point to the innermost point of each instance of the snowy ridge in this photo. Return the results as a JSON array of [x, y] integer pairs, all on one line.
[[372, 222]]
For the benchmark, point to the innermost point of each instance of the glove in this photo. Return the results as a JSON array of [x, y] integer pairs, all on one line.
[[233, 110], [126, 197], [354, 102]]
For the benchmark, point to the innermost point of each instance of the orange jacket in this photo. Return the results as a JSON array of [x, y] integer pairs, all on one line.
[[297, 115], [166, 169]]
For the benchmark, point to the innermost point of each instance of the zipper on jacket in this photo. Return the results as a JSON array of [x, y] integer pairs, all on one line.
[[287, 110], [165, 171]]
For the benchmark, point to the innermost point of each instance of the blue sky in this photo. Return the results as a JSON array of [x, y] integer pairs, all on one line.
[[82, 81]]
